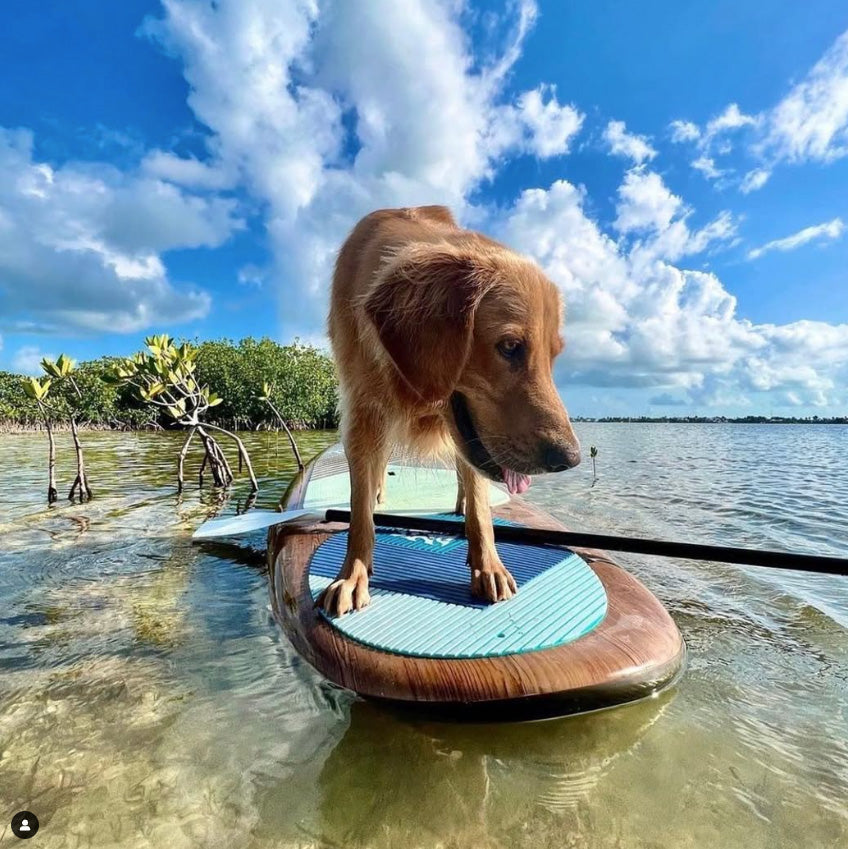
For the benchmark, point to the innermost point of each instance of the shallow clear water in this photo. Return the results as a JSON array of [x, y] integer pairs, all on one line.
[[148, 699]]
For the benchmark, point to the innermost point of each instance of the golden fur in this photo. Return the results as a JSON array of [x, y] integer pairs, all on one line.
[[444, 342]]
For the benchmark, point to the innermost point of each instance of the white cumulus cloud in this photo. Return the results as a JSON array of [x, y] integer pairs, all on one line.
[[645, 203], [81, 245], [811, 122], [658, 219], [754, 180], [828, 231], [327, 112], [252, 275], [630, 145], [706, 165], [27, 360], [654, 324], [185, 171], [713, 139], [731, 119], [684, 131], [549, 126]]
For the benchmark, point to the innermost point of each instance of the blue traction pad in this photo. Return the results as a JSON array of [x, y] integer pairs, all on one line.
[[421, 602]]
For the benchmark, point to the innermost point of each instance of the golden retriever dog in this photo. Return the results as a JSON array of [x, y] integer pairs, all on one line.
[[444, 342]]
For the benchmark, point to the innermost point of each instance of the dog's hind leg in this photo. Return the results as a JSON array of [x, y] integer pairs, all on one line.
[[490, 579], [460, 491], [366, 445], [381, 489]]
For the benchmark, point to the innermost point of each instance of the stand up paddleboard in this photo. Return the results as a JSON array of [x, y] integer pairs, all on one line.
[[581, 633]]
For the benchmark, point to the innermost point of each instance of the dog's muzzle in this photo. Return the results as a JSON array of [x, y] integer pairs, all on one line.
[[475, 452]]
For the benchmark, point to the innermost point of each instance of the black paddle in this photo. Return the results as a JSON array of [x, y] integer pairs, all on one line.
[[635, 545]]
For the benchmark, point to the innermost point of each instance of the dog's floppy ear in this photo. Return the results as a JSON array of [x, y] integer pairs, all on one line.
[[422, 304]]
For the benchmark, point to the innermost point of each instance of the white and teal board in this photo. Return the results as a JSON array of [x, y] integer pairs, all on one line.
[[421, 604]]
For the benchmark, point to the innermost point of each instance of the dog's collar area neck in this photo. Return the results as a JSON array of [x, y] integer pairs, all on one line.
[[475, 451]]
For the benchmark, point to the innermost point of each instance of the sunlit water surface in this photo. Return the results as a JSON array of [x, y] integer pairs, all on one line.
[[147, 698]]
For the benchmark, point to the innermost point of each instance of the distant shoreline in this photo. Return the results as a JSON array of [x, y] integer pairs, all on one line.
[[839, 420]]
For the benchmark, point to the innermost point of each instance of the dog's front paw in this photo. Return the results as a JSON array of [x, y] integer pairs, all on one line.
[[348, 592], [490, 579]]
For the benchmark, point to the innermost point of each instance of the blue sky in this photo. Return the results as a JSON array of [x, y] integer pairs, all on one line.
[[681, 173]]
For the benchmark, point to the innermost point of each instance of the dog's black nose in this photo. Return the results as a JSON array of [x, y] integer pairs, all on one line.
[[557, 457]]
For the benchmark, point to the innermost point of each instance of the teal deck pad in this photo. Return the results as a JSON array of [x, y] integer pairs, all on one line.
[[421, 602], [409, 489]]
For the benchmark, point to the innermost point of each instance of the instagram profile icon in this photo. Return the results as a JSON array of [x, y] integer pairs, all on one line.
[[24, 824]]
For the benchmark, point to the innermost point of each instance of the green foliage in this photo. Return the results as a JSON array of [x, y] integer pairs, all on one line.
[[59, 369], [98, 402], [36, 389], [15, 403], [301, 380], [104, 402], [166, 376]]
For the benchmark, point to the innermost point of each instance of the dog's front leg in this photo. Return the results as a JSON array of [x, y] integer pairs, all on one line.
[[489, 577], [366, 451]]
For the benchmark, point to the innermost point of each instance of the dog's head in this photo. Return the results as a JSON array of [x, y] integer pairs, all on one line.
[[475, 327]]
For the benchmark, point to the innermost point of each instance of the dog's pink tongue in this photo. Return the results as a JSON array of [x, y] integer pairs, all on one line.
[[515, 482]]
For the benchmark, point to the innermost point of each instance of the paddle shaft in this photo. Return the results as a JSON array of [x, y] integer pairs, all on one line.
[[635, 545]]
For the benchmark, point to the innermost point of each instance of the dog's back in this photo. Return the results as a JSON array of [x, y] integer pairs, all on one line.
[[362, 252], [365, 375]]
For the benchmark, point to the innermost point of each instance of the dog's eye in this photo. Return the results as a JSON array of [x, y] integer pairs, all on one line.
[[510, 348]]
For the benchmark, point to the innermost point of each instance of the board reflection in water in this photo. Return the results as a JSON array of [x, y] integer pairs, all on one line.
[[394, 782]]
